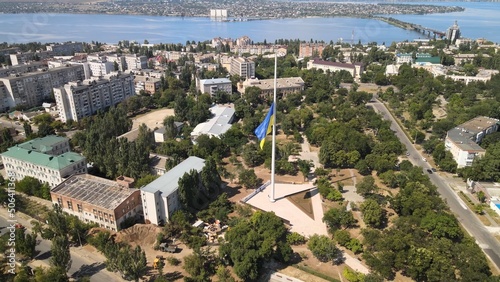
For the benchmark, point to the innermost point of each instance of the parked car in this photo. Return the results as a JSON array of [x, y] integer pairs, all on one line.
[[429, 171]]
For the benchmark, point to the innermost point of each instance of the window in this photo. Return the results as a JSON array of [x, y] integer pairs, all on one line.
[[80, 209], [70, 205], [59, 201]]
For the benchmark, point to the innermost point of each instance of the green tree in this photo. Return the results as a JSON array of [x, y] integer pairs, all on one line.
[[251, 242], [366, 186], [323, 248], [304, 167], [170, 128], [25, 243], [133, 263], [27, 129], [249, 179], [60, 255], [373, 213], [336, 218]]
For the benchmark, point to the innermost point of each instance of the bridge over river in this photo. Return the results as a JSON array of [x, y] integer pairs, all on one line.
[[429, 32]]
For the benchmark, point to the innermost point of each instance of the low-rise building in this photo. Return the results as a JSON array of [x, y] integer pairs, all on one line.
[[402, 58], [284, 86], [160, 135], [355, 69], [213, 85], [97, 200], [217, 125], [462, 141], [160, 198], [47, 159]]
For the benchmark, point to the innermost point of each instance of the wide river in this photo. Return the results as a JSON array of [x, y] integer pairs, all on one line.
[[479, 20]]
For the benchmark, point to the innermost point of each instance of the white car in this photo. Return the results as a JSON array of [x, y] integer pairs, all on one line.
[[424, 159]]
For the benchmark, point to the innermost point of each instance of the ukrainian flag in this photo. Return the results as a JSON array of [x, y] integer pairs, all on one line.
[[265, 127]]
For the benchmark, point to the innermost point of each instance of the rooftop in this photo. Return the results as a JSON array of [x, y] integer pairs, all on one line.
[[214, 81], [169, 182], [281, 83], [54, 162], [217, 125], [464, 134], [335, 64], [44, 144], [94, 190]]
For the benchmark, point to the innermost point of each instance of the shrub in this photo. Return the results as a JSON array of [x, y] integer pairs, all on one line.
[[295, 238]]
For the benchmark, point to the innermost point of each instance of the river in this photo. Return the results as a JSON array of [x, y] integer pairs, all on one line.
[[479, 20]]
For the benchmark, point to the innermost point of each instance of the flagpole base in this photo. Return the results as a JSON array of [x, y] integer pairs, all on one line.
[[272, 200]]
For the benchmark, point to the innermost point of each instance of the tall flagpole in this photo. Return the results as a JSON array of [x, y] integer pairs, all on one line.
[[273, 158]]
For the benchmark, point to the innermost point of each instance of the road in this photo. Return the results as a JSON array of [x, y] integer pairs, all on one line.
[[82, 264], [466, 217]]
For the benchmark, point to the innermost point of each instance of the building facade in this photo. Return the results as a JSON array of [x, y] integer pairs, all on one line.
[[284, 86], [311, 49], [462, 141], [65, 49], [133, 62], [160, 198], [76, 100], [242, 67], [47, 159], [355, 69], [30, 89], [211, 86], [27, 57], [97, 200]]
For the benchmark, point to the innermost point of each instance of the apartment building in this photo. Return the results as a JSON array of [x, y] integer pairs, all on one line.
[[462, 141], [30, 89], [355, 69], [243, 41], [260, 50], [160, 198], [211, 86], [79, 99], [242, 67], [27, 57], [311, 49], [119, 59], [98, 200], [47, 159], [402, 58], [65, 49], [135, 61], [20, 69], [148, 84], [284, 86]]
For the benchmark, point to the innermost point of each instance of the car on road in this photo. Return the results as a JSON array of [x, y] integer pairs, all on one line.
[[433, 169], [429, 171], [424, 159], [407, 154]]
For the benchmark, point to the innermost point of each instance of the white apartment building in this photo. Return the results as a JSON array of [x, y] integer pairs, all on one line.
[[97, 200], [30, 89], [242, 67], [211, 86], [47, 159], [136, 62], [100, 68], [462, 141], [66, 49], [76, 100], [26, 57], [160, 198]]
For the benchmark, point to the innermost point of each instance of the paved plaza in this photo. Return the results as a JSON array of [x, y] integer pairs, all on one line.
[[300, 222]]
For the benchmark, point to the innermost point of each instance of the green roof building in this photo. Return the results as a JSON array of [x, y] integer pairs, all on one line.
[[47, 159]]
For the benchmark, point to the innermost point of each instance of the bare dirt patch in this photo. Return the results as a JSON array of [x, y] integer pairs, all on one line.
[[153, 119]]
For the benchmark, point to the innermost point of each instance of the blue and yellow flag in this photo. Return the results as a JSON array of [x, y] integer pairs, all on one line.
[[265, 127]]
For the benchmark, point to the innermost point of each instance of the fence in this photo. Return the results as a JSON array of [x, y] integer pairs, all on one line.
[[262, 187]]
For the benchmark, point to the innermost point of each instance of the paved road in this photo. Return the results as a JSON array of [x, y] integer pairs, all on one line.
[[82, 264], [466, 217]]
